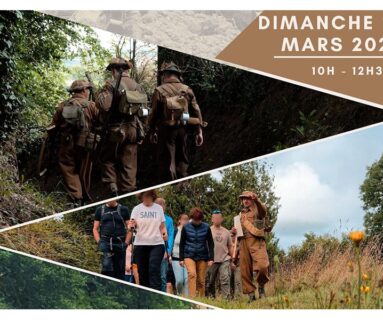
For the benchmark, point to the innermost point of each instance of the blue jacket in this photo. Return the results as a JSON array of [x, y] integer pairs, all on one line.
[[196, 242], [170, 230]]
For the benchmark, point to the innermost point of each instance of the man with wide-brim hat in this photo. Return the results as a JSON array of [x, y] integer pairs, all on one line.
[[79, 85], [119, 148], [116, 63], [74, 120], [171, 68], [253, 257], [175, 114]]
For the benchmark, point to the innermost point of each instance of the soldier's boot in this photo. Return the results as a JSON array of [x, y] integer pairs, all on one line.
[[252, 297], [77, 203], [113, 190], [261, 292]]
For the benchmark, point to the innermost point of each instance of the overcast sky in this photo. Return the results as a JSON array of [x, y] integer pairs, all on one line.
[[319, 184]]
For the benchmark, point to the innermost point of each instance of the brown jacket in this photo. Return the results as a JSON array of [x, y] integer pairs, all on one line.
[[156, 116], [105, 96], [257, 217]]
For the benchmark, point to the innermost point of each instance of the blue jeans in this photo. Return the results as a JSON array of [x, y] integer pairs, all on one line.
[[164, 271], [113, 258], [181, 275], [129, 278]]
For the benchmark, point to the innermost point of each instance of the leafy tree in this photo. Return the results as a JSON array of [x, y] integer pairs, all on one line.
[[328, 244], [372, 196], [27, 283], [9, 100], [41, 69]]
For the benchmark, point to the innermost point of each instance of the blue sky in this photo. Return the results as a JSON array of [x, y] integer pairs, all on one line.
[[319, 184]]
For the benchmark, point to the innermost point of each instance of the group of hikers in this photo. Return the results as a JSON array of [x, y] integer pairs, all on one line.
[[108, 124], [189, 258]]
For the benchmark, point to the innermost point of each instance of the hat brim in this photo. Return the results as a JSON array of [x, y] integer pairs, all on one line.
[[171, 71], [78, 89], [125, 66]]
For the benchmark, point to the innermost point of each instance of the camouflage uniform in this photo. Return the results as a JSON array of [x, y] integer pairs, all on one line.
[[254, 260], [119, 148], [71, 151], [172, 149]]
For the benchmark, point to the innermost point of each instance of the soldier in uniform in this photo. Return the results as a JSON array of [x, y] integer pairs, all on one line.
[[118, 153], [74, 120], [253, 258], [174, 108]]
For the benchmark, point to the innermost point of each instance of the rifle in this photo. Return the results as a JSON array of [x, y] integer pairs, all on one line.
[[47, 153], [91, 92], [113, 106], [87, 163]]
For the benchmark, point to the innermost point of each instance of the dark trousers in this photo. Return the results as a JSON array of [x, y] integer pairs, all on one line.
[[119, 161], [113, 258], [70, 158], [148, 259], [173, 159], [221, 272]]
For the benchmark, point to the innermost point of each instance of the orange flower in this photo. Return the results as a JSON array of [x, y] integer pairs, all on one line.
[[356, 237], [365, 276], [365, 289]]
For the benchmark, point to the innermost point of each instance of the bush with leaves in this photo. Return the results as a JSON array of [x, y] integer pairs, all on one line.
[[372, 197]]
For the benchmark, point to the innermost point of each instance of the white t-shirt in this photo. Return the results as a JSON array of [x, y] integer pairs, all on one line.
[[148, 222]]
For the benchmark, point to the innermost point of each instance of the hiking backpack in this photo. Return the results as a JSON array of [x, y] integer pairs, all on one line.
[[73, 113], [133, 102], [176, 106]]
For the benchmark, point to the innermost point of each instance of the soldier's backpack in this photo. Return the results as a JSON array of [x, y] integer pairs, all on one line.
[[133, 102], [176, 106], [73, 113]]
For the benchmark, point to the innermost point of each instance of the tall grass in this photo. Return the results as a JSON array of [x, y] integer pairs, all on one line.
[[323, 280]]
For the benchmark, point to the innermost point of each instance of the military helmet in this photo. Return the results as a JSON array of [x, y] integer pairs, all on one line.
[[118, 62], [248, 194], [170, 67], [79, 85]]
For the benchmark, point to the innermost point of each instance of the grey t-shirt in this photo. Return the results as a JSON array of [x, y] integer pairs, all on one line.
[[222, 242]]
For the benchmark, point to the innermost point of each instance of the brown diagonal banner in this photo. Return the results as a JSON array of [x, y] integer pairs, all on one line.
[[339, 51]]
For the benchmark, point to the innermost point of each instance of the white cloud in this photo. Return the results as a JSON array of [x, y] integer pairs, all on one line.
[[309, 204]]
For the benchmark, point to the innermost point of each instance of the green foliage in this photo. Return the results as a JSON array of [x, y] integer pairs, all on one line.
[[372, 196], [309, 126], [9, 101], [327, 243], [21, 200], [58, 240], [26, 283], [41, 73]]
